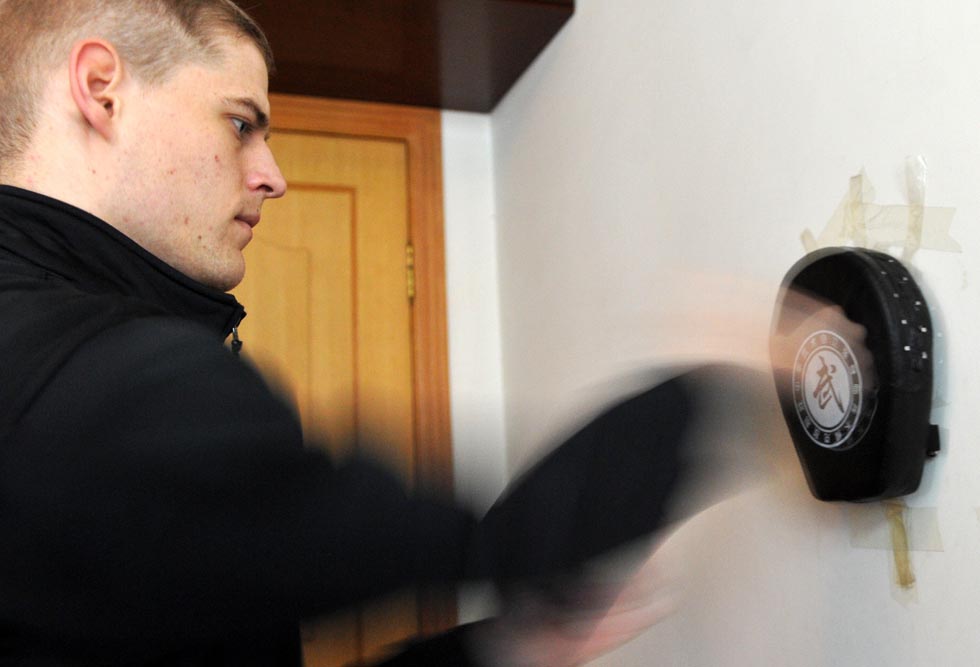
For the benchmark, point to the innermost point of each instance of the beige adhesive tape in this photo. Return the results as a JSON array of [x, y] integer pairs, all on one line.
[[894, 510], [892, 526], [915, 183], [859, 221], [871, 528]]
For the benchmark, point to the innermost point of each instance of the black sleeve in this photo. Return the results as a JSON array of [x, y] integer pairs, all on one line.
[[449, 649], [158, 494], [647, 460], [608, 484]]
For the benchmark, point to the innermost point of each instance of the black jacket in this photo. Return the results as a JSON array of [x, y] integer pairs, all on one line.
[[157, 505]]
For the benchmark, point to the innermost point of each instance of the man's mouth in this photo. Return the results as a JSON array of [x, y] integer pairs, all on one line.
[[250, 220]]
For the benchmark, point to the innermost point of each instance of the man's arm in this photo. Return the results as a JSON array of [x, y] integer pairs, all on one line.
[[157, 495]]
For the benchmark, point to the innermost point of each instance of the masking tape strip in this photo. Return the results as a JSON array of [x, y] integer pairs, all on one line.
[[859, 192], [915, 182], [861, 222], [894, 510], [871, 527], [809, 242]]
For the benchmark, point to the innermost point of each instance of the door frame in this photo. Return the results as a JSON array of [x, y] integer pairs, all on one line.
[[421, 131]]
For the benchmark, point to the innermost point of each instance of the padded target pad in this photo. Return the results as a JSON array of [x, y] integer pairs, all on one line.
[[856, 384]]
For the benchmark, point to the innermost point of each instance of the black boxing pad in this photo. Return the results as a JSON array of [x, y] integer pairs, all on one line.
[[855, 393]]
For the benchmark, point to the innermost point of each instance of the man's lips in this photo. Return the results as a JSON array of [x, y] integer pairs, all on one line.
[[250, 220]]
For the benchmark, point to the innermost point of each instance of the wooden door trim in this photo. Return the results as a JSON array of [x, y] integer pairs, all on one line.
[[421, 131]]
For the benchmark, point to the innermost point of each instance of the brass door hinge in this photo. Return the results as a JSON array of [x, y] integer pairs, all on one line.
[[410, 270]]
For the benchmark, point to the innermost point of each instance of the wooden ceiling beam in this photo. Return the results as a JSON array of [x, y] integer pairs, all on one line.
[[449, 54]]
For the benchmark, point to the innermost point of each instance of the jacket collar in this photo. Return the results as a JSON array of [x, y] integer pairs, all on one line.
[[60, 239]]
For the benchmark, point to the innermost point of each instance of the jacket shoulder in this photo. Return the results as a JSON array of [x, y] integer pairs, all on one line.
[[160, 374]]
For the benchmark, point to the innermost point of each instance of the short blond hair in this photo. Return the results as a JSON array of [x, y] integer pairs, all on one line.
[[153, 37]]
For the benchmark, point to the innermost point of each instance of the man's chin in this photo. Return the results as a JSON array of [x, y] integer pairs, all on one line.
[[229, 283], [224, 278]]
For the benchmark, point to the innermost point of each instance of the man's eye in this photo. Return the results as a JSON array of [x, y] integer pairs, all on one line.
[[241, 127]]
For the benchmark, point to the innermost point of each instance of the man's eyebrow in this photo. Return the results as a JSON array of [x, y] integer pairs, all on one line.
[[261, 117]]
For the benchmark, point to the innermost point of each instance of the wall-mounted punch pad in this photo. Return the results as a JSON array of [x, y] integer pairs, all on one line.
[[851, 346]]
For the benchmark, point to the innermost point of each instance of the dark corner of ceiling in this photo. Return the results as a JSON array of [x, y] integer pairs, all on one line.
[[449, 54]]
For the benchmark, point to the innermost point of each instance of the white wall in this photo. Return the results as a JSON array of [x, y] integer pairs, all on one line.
[[473, 313], [654, 170], [473, 307]]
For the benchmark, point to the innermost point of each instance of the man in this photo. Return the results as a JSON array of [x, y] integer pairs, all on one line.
[[138, 145], [157, 505]]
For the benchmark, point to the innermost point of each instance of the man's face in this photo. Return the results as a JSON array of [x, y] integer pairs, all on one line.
[[194, 164]]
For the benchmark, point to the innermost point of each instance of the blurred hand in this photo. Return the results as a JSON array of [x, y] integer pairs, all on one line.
[[585, 620], [804, 314]]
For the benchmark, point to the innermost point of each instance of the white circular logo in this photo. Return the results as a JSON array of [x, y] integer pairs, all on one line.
[[828, 392]]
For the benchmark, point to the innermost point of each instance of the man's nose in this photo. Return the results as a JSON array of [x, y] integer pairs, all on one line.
[[265, 175]]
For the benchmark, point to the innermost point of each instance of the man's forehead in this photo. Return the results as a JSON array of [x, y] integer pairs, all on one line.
[[242, 72], [239, 79]]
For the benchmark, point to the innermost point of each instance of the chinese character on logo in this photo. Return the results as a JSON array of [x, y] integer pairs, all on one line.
[[825, 390]]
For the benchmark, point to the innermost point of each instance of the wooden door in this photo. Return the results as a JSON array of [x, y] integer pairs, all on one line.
[[343, 289]]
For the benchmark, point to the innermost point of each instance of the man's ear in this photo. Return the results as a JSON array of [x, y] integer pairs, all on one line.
[[95, 73]]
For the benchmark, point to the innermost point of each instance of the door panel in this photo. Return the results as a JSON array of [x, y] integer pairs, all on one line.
[[330, 314]]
